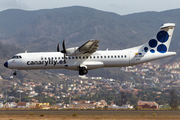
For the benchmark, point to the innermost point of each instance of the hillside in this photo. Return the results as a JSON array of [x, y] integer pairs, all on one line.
[[78, 24], [41, 30]]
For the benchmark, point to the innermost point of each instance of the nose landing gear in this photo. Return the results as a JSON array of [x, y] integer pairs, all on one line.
[[15, 73]]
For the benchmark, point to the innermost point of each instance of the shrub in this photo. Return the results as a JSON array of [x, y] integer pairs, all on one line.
[[32, 113], [136, 108], [74, 115], [143, 113], [154, 114], [42, 115]]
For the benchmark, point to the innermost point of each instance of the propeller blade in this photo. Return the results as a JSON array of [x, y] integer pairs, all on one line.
[[58, 48], [64, 49], [64, 58]]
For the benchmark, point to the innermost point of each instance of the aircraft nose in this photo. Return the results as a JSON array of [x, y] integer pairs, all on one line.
[[6, 64]]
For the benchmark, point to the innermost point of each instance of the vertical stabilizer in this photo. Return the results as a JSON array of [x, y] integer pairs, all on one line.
[[161, 41], [156, 48]]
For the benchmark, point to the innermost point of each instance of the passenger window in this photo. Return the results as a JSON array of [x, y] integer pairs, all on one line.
[[55, 57], [83, 57], [104, 56], [72, 57], [76, 57], [59, 58], [42, 58], [118, 56], [90, 57], [49, 58], [108, 56], [121, 56], [86, 57], [45, 58], [79, 57], [97, 56], [94, 57], [52, 58], [111, 56], [20, 57], [69, 57], [125, 56], [101, 56], [62, 57], [114, 56]]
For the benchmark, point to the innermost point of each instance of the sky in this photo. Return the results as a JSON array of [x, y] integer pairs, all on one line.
[[121, 7]]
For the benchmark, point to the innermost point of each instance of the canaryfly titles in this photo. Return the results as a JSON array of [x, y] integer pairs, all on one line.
[[45, 63]]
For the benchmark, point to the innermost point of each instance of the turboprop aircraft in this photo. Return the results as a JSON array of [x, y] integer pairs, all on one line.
[[86, 57]]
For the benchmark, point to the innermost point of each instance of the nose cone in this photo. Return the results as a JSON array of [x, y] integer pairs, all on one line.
[[6, 64]]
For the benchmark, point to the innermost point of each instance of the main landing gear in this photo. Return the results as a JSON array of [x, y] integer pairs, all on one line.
[[83, 71], [15, 73]]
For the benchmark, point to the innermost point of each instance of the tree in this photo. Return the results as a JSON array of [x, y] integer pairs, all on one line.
[[174, 99], [54, 91], [38, 89]]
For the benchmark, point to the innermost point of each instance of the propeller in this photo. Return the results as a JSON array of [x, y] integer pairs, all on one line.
[[58, 48], [64, 51]]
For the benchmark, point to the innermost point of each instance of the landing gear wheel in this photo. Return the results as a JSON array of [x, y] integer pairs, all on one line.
[[14, 73], [85, 71], [82, 71]]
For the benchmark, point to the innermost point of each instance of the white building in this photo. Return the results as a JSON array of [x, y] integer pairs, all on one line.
[[1, 105], [126, 106]]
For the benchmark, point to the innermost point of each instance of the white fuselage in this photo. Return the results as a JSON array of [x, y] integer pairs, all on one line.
[[99, 59]]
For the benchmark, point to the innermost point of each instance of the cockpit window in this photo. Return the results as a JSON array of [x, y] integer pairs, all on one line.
[[17, 57]]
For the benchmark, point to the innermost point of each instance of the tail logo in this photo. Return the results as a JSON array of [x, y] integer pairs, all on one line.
[[161, 37]]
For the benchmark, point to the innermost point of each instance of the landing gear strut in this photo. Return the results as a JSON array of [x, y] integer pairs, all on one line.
[[82, 71], [15, 73]]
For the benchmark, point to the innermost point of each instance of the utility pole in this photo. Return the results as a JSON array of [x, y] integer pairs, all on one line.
[[6, 94], [70, 100], [20, 96], [56, 94]]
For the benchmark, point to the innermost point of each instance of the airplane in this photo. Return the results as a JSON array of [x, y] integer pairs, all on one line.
[[86, 57]]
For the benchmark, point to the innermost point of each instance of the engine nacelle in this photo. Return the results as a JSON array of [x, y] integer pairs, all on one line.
[[73, 51]]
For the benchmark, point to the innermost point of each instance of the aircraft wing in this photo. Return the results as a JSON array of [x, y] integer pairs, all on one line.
[[89, 47]]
